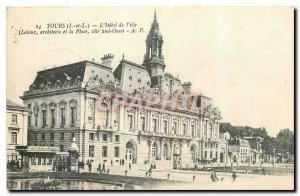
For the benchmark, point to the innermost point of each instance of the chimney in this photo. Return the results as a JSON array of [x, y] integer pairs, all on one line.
[[187, 87], [107, 60]]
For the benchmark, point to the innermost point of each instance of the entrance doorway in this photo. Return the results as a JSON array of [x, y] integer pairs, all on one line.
[[193, 153], [176, 156], [130, 153]]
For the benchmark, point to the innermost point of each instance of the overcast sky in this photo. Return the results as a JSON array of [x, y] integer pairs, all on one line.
[[240, 57]]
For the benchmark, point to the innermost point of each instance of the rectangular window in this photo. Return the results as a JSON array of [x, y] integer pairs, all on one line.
[[13, 138], [154, 125], [14, 119], [52, 117], [29, 121], [193, 130], [92, 137], [205, 154], [72, 135], [184, 129], [43, 136], [36, 121], [117, 138], [51, 136], [143, 119], [63, 116], [165, 126], [117, 151], [91, 151], [210, 155], [62, 136], [44, 118], [104, 151], [130, 120], [35, 136], [104, 137], [73, 115], [61, 148], [205, 144], [39, 161], [216, 155]]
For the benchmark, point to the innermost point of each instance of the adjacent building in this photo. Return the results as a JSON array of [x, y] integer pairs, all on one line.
[[77, 101], [16, 131]]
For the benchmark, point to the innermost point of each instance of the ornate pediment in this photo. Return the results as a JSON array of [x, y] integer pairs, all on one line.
[[212, 112]]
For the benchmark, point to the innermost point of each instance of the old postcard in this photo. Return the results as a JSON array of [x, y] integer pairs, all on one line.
[[150, 98]]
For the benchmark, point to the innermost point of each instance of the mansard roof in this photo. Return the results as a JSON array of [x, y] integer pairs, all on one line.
[[60, 74]]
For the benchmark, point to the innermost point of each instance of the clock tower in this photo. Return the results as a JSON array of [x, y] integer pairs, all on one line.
[[154, 60]]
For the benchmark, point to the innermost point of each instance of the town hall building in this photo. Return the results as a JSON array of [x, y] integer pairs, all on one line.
[[76, 101]]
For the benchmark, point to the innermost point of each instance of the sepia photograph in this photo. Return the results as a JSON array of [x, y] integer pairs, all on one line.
[[150, 98]]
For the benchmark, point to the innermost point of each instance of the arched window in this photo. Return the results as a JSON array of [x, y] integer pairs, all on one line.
[[165, 151], [104, 114], [154, 151]]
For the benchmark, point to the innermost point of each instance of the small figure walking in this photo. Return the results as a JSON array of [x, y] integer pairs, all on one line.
[[194, 177], [103, 167], [126, 172], [129, 166], [234, 176], [90, 167], [111, 163], [99, 168], [168, 176]]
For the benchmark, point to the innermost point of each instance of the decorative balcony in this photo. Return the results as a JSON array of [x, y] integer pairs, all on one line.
[[105, 128], [156, 134]]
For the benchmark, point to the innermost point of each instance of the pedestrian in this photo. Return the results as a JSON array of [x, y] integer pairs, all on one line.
[[103, 167], [123, 161], [99, 168], [168, 176], [90, 167], [194, 177], [126, 172], [212, 176], [145, 162], [146, 174], [234, 176], [111, 163], [129, 166], [222, 179], [120, 161], [108, 171], [215, 176], [154, 165]]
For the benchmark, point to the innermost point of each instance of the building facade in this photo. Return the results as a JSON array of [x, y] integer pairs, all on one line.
[[16, 132], [79, 101]]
